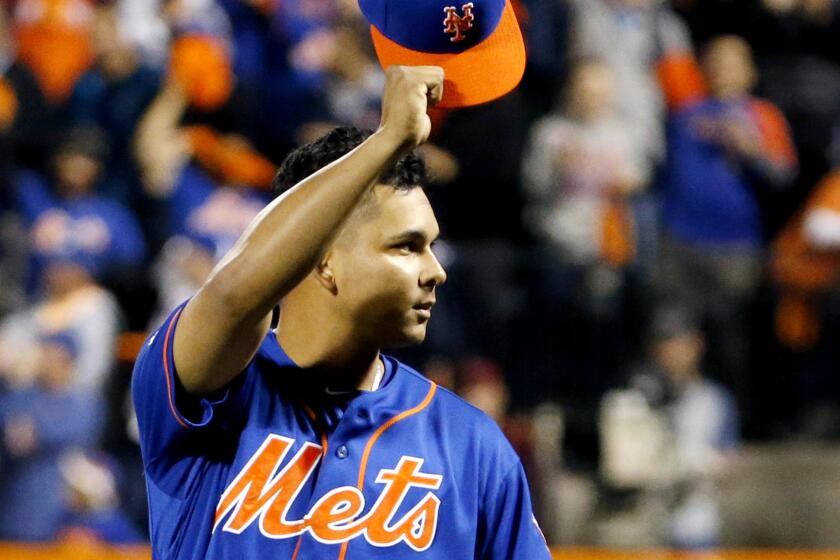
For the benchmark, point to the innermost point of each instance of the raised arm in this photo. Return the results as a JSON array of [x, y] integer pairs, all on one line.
[[221, 328]]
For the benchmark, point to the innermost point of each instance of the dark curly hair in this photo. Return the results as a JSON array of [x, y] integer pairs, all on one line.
[[408, 173]]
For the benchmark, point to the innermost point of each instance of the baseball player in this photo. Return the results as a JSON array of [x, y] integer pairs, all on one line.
[[301, 440]]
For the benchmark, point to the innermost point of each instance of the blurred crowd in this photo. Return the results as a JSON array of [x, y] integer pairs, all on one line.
[[643, 240]]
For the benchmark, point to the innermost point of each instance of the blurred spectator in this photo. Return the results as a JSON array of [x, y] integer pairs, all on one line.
[[649, 51], [68, 220], [705, 429], [207, 221], [92, 509], [24, 138], [39, 425], [806, 265], [795, 45], [73, 303], [201, 58], [805, 268], [208, 186], [196, 116], [581, 170], [76, 238], [580, 166], [24, 123], [724, 152], [53, 39], [672, 434], [205, 218], [112, 96]]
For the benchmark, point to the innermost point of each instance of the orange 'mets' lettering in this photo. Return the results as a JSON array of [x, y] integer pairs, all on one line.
[[257, 492]]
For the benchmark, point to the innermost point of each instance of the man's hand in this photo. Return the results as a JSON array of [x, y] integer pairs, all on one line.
[[409, 91]]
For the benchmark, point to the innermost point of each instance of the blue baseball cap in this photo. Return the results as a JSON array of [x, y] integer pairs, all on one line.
[[477, 43]]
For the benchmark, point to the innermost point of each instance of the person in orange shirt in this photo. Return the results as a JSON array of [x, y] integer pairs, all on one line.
[[806, 265], [54, 39], [24, 130]]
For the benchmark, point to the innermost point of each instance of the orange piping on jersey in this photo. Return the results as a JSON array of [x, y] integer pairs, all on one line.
[[324, 446], [369, 445], [314, 417], [166, 369], [309, 411], [297, 547]]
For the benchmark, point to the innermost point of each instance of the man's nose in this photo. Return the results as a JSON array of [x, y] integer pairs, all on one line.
[[435, 275]]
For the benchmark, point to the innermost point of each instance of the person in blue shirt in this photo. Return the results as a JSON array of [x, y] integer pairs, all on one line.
[[725, 154], [38, 426], [113, 95], [68, 221], [300, 439]]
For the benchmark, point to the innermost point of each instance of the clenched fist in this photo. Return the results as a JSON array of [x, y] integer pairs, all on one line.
[[409, 90]]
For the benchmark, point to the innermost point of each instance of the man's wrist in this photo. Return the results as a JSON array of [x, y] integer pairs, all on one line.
[[391, 141]]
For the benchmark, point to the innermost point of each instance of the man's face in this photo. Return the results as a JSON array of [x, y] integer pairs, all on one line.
[[77, 174], [729, 68], [384, 269]]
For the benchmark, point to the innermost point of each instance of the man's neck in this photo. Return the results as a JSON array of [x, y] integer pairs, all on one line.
[[339, 360]]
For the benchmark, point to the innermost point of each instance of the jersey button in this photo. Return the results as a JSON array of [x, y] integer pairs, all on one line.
[[341, 452]]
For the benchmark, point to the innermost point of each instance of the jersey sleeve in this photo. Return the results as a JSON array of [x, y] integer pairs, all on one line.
[[178, 429], [510, 529]]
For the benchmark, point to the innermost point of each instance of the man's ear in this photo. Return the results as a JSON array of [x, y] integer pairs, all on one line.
[[324, 274]]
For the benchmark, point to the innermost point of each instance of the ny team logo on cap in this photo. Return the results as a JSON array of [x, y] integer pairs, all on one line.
[[459, 25], [479, 46]]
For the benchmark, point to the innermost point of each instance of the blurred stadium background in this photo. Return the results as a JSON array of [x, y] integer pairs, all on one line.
[[643, 244]]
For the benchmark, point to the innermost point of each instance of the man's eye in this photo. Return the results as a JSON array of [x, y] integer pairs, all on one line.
[[405, 248]]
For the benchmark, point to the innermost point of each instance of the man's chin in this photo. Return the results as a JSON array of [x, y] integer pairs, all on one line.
[[407, 336]]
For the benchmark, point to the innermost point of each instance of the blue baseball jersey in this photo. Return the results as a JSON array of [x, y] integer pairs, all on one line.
[[274, 467]]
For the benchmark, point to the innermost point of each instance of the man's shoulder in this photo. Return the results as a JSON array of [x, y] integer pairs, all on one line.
[[450, 408]]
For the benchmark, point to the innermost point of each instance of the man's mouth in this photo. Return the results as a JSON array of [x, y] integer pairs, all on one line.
[[424, 309]]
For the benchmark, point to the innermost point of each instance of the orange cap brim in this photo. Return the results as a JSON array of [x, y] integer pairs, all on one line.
[[483, 73]]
